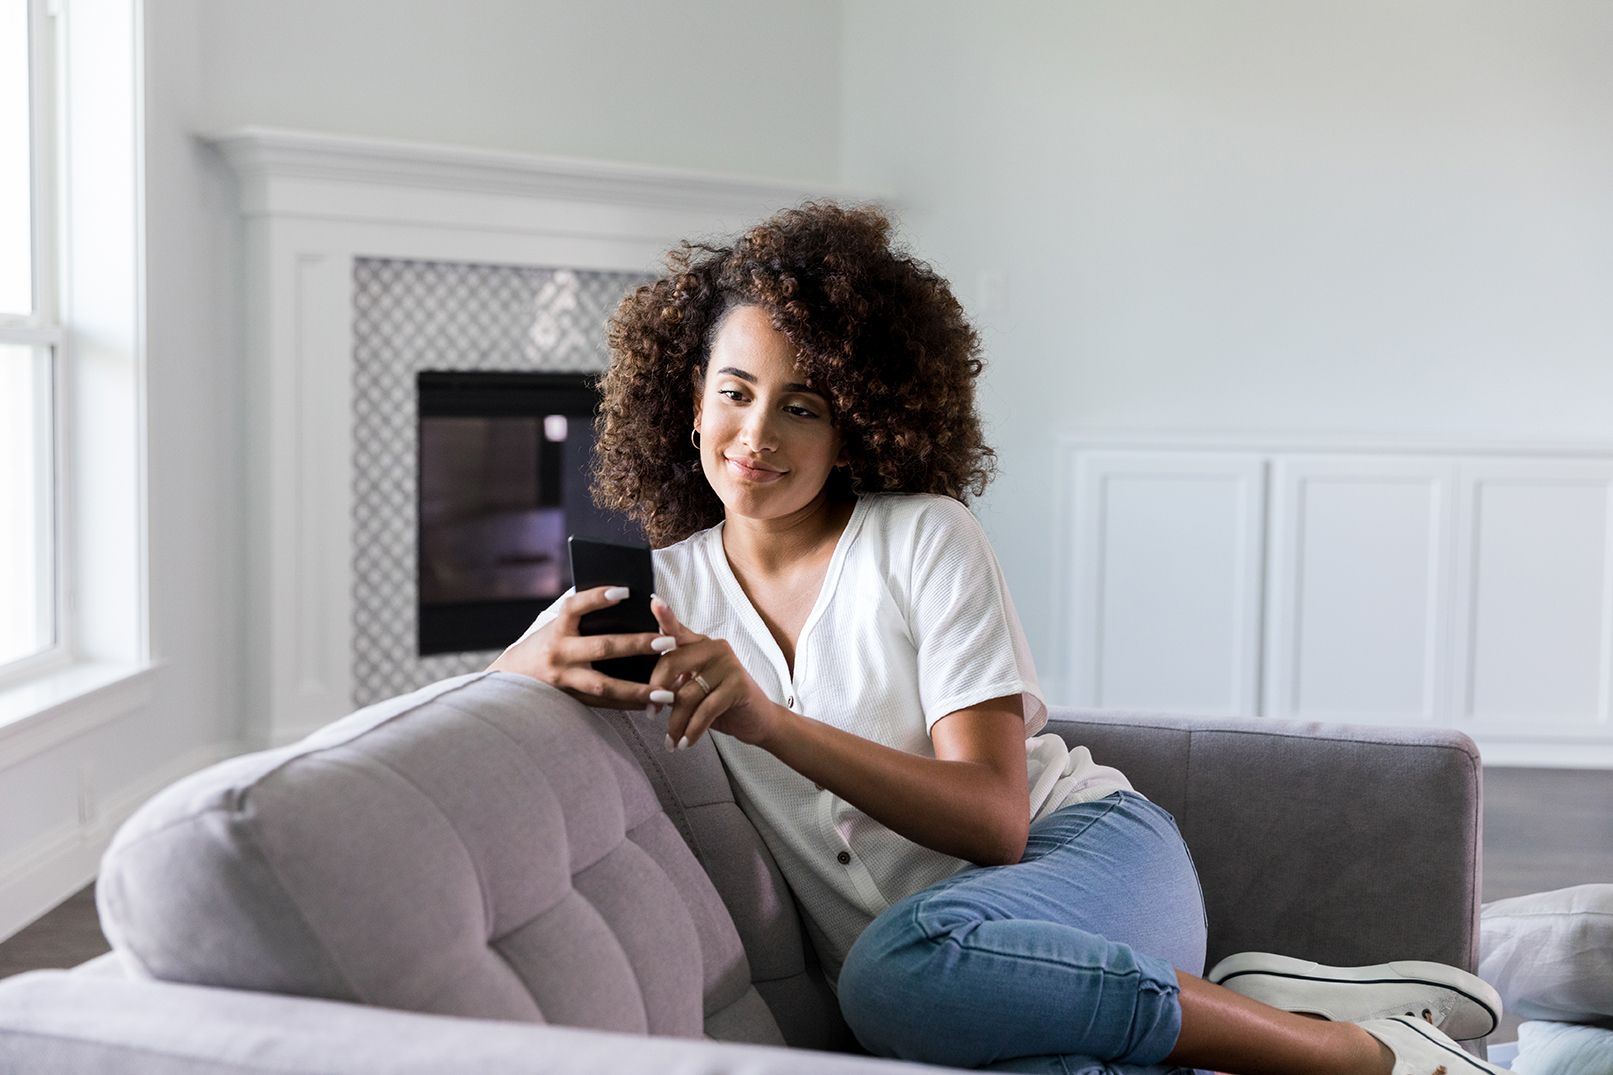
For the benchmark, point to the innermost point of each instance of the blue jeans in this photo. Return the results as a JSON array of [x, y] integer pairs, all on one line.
[[1062, 962]]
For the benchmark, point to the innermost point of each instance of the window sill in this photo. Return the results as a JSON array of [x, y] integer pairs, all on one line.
[[52, 709]]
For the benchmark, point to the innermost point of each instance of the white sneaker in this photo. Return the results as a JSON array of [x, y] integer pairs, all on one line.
[[1421, 1049], [1458, 1003]]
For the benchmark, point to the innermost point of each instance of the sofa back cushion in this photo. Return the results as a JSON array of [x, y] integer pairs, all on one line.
[[483, 847], [1345, 844]]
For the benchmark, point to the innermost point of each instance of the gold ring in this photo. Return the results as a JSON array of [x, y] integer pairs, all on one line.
[[698, 678]]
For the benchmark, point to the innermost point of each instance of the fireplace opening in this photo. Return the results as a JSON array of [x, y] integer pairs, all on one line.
[[504, 461]]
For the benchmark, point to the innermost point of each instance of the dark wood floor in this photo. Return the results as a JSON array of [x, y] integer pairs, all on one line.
[[65, 937], [1543, 829]]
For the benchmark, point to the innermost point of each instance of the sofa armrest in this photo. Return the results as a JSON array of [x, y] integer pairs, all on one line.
[[58, 1023], [1345, 844]]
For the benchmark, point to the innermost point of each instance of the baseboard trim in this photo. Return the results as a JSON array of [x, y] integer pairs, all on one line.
[[1546, 755], [58, 862]]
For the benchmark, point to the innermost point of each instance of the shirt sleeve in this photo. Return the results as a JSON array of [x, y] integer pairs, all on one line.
[[971, 647]]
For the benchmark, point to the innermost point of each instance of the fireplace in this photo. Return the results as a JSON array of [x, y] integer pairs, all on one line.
[[504, 464], [366, 262], [472, 418]]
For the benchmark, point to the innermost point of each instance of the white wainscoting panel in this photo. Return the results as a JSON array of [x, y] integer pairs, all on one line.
[[1465, 584], [1359, 572], [1536, 598], [1166, 594]]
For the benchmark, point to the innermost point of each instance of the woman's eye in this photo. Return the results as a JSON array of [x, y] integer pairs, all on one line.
[[731, 393], [803, 412]]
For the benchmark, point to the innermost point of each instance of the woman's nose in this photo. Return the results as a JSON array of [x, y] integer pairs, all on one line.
[[757, 432]]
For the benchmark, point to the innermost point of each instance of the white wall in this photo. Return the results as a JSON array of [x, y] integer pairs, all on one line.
[[1252, 215], [193, 396], [747, 86]]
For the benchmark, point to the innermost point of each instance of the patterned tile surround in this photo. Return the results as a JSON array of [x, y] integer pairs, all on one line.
[[417, 315]]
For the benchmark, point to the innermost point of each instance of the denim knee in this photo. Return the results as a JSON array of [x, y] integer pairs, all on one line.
[[933, 981], [874, 988]]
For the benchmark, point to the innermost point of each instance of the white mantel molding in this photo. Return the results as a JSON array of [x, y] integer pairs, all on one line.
[[312, 203], [1452, 581], [304, 173]]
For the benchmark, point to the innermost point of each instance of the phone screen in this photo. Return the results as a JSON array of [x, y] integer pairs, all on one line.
[[609, 563]]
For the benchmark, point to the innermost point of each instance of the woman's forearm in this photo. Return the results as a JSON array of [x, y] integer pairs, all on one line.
[[977, 810]]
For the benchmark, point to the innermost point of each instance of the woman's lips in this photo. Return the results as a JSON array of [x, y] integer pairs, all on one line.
[[755, 472]]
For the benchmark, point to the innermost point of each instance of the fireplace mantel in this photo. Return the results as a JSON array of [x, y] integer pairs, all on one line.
[[311, 204], [292, 172]]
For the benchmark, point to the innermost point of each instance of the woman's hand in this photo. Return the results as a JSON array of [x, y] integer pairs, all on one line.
[[733, 704], [561, 657]]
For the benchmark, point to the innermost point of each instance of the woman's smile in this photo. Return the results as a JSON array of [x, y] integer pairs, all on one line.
[[754, 470]]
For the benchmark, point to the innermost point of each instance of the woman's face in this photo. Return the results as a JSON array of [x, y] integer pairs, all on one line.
[[766, 442]]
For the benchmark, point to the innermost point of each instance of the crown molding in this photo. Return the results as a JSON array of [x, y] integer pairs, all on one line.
[[264, 157]]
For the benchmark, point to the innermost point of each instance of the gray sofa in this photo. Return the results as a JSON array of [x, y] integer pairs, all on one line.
[[486, 876]]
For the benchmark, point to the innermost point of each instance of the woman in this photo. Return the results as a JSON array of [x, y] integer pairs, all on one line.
[[792, 419]]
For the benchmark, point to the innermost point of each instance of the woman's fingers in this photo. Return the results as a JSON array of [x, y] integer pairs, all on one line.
[[558, 655], [597, 689], [668, 621], [578, 605], [686, 659], [697, 702], [700, 678], [705, 713], [589, 648]]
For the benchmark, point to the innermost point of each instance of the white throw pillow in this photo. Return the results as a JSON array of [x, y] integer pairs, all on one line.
[[1550, 955], [1563, 1049]]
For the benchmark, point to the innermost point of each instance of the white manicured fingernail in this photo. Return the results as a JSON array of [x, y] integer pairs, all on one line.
[[663, 697], [649, 711], [616, 593], [664, 644], [683, 744], [670, 745]]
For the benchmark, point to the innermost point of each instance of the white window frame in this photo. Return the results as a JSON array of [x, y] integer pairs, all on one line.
[[43, 326], [91, 279]]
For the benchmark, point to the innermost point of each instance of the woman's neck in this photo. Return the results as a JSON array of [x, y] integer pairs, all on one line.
[[781, 564], [779, 547]]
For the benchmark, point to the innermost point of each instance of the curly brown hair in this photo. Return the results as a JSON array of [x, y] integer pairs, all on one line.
[[878, 332]]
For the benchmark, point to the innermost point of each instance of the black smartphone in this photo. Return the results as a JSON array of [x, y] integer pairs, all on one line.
[[610, 563]]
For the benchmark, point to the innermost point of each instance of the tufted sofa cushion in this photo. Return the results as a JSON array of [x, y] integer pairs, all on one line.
[[483, 847]]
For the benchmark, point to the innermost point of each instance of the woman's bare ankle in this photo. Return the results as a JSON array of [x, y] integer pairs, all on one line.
[[1368, 1055]]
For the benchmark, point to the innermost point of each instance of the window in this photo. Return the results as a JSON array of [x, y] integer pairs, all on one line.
[[74, 649], [30, 342]]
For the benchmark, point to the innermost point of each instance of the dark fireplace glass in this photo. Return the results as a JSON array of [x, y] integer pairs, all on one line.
[[504, 462]]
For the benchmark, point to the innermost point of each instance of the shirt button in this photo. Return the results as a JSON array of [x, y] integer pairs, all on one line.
[[789, 703], [844, 858]]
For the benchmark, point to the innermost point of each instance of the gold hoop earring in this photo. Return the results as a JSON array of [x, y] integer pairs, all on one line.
[[694, 438]]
